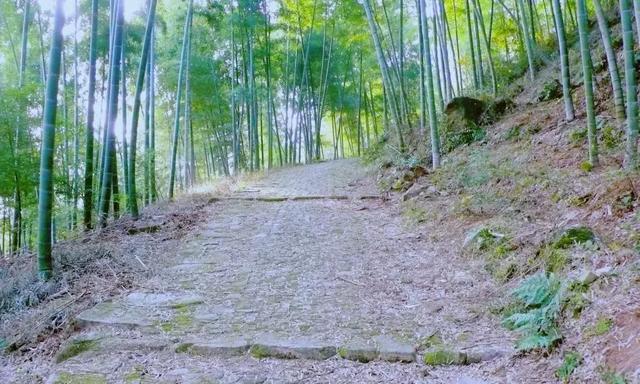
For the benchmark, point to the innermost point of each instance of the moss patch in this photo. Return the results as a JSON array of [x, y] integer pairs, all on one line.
[[259, 351], [183, 347], [573, 236], [75, 348], [135, 375], [80, 378], [601, 327], [182, 320], [444, 357]]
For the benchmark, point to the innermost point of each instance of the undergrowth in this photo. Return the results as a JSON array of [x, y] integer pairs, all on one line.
[[540, 297]]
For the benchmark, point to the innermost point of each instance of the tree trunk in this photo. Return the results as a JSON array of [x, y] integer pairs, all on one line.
[[587, 69], [45, 195], [631, 153], [564, 60], [142, 70], [176, 125]]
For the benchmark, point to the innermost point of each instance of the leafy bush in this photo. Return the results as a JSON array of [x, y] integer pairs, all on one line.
[[537, 322], [569, 364]]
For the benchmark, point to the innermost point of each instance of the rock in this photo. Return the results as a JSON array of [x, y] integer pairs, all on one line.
[[551, 90], [496, 109], [149, 228], [301, 348], [76, 378], [486, 353], [444, 357], [414, 191], [223, 346], [357, 350], [463, 116], [463, 278], [420, 190], [588, 277], [115, 314], [604, 271], [393, 351], [467, 107], [172, 300]]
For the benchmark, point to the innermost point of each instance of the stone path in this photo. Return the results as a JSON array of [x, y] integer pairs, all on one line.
[[304, 276]]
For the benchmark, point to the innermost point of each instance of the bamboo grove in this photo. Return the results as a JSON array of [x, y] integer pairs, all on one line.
[[110, 108]]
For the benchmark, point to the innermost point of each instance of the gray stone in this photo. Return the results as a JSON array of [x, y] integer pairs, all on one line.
[[357, 350], [588, 277], [195, 268], [392, 350], [143, 299], [604, 271], [469, 380], [115, 314], [223, 346], [76, 378], [415, 191], [139, 345], [298, 348], [486, 353]]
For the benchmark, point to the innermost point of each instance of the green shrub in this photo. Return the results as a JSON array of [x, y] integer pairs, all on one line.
[[537, 322], [570, 362], [573, 236]]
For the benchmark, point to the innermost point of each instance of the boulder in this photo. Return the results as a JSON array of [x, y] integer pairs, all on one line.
[[496, 109], [463, 116], [551, 90]]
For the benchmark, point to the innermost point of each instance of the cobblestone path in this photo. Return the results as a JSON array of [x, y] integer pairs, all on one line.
[[305, 276]]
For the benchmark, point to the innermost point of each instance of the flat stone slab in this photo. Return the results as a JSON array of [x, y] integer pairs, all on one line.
[[442, 356], [223, 346], [76, 378], [294, 348], [487, 353], [392, 350], [115, 314], [171, 300], [195, 268], [359, 350]]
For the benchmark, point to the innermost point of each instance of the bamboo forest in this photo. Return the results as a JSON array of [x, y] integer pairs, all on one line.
[[319, 191]]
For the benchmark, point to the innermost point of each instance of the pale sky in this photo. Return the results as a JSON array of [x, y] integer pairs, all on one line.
[[130, 7]]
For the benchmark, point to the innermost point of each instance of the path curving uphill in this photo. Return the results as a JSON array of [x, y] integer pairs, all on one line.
[[307, 275]]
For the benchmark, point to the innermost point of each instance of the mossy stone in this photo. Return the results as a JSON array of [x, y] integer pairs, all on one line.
[[79, 378], [444, 357], [74, 348]]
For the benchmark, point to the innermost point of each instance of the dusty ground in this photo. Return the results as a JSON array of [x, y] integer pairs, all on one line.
[[330, 267]]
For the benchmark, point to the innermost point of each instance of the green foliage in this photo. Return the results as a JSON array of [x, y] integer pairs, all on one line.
[[414, 213], [586, 166], [575, 301], [470, 134], [611, 137], [550, 91], [75, 348], [573, 236], [513, 134], [537, 323], [570, 362], [578, 136], [553, 259], [609, 376], [601, 327]]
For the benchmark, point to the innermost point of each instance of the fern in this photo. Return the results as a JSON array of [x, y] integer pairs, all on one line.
[[541, 297]]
